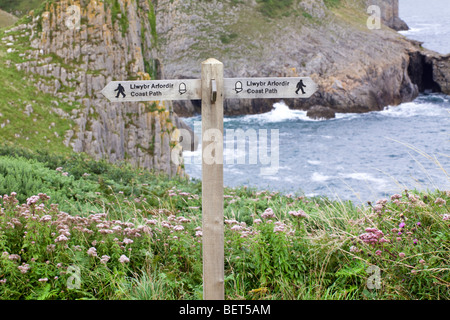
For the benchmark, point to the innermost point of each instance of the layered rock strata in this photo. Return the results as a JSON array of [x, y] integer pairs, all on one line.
[[76, 55]]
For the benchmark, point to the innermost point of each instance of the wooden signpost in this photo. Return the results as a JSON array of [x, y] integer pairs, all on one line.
[[212, 89]]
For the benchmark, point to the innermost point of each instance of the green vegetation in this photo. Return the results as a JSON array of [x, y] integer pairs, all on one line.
[[75, 228], [332, 3], [19, 7], [117, 14], [152, 20], [27, 116], [227, 38], [113, 232], [275, 8]]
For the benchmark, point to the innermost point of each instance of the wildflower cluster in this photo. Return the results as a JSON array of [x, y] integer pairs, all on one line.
[[407, 236], [274, 246], [38, 238]]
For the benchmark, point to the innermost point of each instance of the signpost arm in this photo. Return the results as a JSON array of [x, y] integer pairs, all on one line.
[[212, 180]]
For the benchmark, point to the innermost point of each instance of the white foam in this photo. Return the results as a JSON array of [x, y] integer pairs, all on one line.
[[270, 177], [412, 109], [280, 113], [314, 162], [318, 177], [363, 176]]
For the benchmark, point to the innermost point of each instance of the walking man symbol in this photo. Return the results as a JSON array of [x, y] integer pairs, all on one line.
[[300, 86], [121, 91]]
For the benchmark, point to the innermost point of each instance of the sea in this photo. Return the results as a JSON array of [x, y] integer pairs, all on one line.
[[356, 157]]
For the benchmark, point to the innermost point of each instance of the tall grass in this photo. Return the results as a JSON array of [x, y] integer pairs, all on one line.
[[140, 237]]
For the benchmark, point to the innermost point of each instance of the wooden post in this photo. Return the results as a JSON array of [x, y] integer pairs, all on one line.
[[212, 180]]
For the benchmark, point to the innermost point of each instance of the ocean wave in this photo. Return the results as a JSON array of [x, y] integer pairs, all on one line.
[[415, 108], [318, 177], [363, 176], [280, 113]]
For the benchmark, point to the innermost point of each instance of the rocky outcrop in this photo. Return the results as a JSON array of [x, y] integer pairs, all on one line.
[[320, 112], [112, 41], [357, 69], [390, 13], [431, 71]]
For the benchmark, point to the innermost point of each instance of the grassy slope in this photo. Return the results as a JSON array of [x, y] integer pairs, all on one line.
[[6, 19], [320, 256], [20, 6], [43, 128]]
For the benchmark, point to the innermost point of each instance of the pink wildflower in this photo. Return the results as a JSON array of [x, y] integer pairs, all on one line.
[[183, 220], [32, 200], [123, 258], [401, 255], [14, 257], [45, 218], [105, 259], [116, 228], [396, 196], [152, 222], [106, 231], [24, 268], [178, 228], [127, 241], [300, 213], [61, 238], [236, 227], [166, 224], [268, 213], [371, 236], [92, 252]]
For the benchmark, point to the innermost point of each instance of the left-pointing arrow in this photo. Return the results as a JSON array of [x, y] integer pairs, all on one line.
[[153, 90]]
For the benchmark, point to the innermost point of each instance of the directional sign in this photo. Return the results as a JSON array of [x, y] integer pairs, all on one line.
[[190, 89], [269, 88], [212, 89], [153, 90]]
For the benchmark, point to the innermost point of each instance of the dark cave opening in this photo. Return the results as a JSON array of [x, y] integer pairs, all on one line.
[[420, 70]]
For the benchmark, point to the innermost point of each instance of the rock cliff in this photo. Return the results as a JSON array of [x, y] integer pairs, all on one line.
[[358, 69], [77, 47], [389, 13]]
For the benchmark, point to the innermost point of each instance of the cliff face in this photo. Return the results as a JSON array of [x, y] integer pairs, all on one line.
[[357, 69], [75, 56], [389, 13]]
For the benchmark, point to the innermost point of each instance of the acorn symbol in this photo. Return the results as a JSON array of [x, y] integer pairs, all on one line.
[[182, 89], [238, 87]]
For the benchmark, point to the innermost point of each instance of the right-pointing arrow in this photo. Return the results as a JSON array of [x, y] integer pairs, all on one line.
[[269, 88]]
